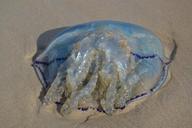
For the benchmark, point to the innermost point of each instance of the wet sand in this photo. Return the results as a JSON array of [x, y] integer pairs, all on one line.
[[23, 21]]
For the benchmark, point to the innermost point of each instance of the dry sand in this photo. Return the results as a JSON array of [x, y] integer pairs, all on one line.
[[23, 21]]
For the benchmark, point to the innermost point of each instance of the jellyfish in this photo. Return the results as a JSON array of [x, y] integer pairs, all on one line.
[[102, 65]]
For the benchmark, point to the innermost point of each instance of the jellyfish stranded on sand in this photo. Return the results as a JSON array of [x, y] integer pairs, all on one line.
[[102, 65]]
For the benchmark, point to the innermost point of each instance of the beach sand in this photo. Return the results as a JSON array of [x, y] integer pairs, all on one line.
[[23, 24]]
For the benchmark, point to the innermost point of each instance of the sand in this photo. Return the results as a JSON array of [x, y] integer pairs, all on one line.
[[23, 21]]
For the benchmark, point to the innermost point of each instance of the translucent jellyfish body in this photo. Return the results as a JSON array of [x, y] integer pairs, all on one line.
[[102, 65]]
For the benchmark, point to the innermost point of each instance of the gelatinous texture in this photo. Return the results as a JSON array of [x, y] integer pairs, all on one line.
[[101, 65]]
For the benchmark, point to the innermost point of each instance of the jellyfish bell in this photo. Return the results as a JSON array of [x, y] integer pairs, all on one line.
[[102, 66]]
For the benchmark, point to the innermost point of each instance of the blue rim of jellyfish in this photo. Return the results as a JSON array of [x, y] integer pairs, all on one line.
[[38, 70], [45, 83]]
